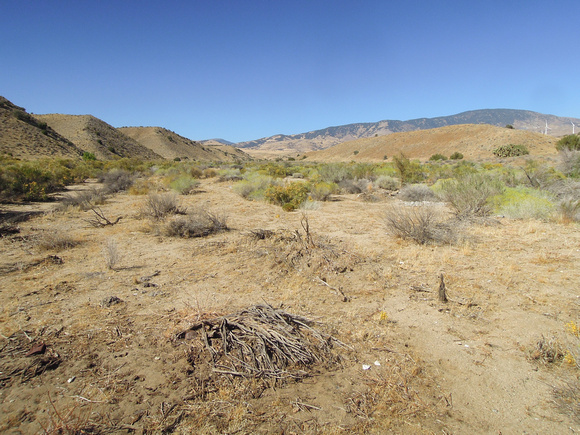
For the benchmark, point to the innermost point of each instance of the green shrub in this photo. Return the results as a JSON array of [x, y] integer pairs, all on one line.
[[511, 150], [253, 186], [570, 162], [569, 142], [321, 191], [409, 171], [456, 156], [289, 196], [88, 156], [437, 156], [333, 173], [468, 195], [184, 184], [388, 183], [523, 203]]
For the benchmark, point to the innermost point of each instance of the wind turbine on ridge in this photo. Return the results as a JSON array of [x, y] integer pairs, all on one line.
[[572, 126]]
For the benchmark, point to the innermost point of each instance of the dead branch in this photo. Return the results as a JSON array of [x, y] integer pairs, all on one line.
[[442, 293], [100, 220], [338, 291]]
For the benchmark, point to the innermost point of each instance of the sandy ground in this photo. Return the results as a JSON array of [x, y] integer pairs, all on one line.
[[463, 367]]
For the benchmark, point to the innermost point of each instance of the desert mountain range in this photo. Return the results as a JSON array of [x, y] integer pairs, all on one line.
[[474, 134], [327, 137]]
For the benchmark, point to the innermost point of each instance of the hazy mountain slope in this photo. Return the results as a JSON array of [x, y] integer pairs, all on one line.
[[475, 142], [321, 139], [170, 145], [23, 136], [96, 136]]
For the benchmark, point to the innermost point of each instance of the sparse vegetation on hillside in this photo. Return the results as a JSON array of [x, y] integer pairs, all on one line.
[[570, 142], [511, 150]]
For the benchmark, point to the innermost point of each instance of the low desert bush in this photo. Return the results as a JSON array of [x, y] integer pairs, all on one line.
[[158, 206], [116, 180], [523, 203], [230, 175], [386, 182], [197, 223], [570, 162], [469, 195], [438, 156], [184, 184], [570, 142], [84, 199], [456, 156], [421, 224], [253, 186], [353, 186], [569, 210], [416, 192], [408, 171], [333, 173], [321, 191], [289, 196], [510, 150]]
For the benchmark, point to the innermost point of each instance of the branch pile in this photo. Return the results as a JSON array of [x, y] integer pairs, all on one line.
[[263, 342]]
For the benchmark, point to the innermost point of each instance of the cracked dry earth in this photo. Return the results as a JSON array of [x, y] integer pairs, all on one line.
[[111, 362]]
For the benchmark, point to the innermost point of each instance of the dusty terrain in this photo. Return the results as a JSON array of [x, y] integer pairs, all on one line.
[[465, 366]]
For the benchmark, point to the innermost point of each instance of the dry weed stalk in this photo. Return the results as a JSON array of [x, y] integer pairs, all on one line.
[[111, 254], [100, 220]]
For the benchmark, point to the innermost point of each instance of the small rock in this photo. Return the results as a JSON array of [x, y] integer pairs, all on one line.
[[110, 300], [71, 380], [366, 367], [37, 349]]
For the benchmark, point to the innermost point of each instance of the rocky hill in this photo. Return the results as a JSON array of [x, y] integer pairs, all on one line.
[[170, 145], [474, 141], [325, 138], [96, 136], [25, 137]]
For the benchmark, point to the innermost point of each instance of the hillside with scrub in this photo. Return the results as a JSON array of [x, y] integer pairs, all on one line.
[[292, 296]]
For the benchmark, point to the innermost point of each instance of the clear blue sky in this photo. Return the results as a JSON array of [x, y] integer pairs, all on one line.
[[242, 70]]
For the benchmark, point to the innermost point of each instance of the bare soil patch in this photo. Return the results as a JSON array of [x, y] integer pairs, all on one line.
[[120, 350]]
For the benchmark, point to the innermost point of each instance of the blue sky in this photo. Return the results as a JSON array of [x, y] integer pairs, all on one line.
[[242, 70]]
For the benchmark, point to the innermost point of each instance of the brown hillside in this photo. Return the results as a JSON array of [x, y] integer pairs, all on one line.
[[96, 136], [475, 142], [24, 137], [170, 145]]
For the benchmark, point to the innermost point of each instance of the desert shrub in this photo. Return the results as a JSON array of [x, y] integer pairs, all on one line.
[[420, 224], [89, 156], [456, 156], [321, 191], [570, 142], [288, 196], [84, 199], [523, 203], [437, 156], [210, 172], [416, 192], [142, 186], [569, 210], [468, 195], [197, 223], [54, 240], [274, 170], [570, 162], [158, 206], [386, 182], [333, 173], [195, 172], [353, 186], [253, 186], [409, 171], [184, 184], [510, 150], [230, 175], [366, 171], [116, 180]]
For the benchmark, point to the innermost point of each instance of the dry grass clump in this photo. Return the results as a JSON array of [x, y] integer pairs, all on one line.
[[116, 180], [54, 240], [422, 224], [111, 254], [548, 351], [158, 206], [197, 223], [263, 342], [469, 194]]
